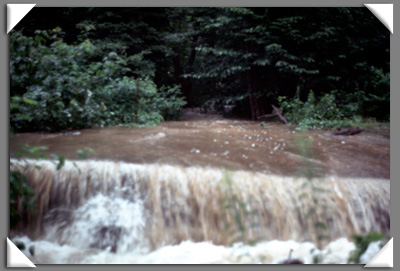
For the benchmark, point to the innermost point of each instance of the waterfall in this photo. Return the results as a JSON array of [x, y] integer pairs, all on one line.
[[120, 207]]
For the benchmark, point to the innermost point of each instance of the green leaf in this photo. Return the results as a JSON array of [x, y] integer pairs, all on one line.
[[61, 160], [29, 101], [89, 150], [81, 154], [13, 106]]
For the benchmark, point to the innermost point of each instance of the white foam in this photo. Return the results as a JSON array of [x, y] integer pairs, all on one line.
[[188, 252], [88, 235]]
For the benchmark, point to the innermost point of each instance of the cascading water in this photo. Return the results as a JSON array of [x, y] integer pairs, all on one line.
[[116, 212]]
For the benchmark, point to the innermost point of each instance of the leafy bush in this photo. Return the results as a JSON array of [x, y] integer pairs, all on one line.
[[20, 191], [376, 97], [56, 86], [137, 101], [320, 113], [22, 196], [169, 102], [362, 242]]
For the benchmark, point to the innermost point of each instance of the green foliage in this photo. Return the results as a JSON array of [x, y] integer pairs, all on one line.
[[233, 205], [20, 191], [319, 113], [138, 101], [263, 125], [262, 54], [313, 189], [83, 153], [22, 196], [247, 57], [56, 86], [362, 242], [170, 102], [316, 259], [32, 152]]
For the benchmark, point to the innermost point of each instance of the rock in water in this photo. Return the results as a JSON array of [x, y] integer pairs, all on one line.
[[290, 260], [32, 250]]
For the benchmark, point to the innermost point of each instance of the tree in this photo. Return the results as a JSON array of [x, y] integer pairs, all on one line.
[[248, 57]]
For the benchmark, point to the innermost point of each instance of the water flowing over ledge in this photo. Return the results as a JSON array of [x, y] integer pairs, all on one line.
[[117, 209]]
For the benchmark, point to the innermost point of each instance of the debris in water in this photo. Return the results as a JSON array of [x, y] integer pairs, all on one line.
[[290, 260], [346, 132], [32, 250]]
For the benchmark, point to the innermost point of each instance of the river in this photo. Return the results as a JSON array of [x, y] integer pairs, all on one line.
[[205, 185]]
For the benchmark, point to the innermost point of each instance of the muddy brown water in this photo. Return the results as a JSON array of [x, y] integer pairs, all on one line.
[[202, 140], [157, 186]]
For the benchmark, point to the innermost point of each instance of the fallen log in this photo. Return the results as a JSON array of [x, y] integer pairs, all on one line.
[[280, 115], [347, 132], [276, 114], [267, 116]]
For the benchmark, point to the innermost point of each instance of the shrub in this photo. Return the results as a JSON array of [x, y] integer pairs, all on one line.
[[56, 86], [20, 191], [362, 242], [320, 113]]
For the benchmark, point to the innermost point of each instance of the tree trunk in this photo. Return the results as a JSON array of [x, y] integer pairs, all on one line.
[[186, 83], [251, 97], [250, 89]]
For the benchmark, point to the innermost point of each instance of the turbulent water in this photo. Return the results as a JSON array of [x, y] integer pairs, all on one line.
[[218, 192], [121, 208], [232, 144]]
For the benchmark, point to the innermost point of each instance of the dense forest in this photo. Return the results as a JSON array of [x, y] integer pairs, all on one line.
[[74, 68]]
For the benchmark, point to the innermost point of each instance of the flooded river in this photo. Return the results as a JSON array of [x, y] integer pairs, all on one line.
[[230, 190], [232, 144]]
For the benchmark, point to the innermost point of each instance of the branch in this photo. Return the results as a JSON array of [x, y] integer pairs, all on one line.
[[267, 116], [280, 115]]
